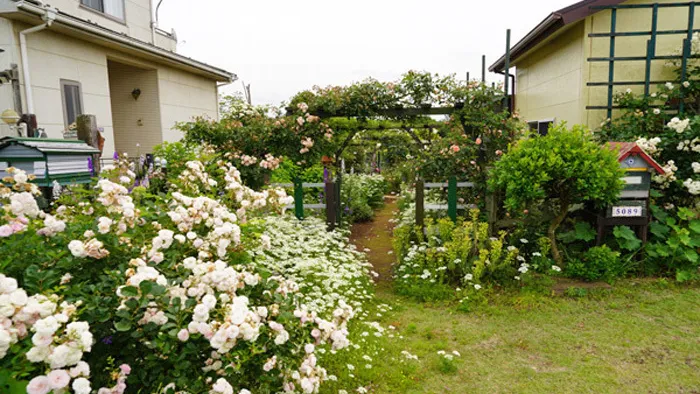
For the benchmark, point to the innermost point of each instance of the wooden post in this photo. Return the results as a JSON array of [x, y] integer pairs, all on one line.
[[420, 202], [331, 206], [452, 198], [88, 132], [492, 212], [338, 200], [298, 199]]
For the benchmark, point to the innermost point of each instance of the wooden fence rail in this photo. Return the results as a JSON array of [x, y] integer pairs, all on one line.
[[330, 205], [452, 204]]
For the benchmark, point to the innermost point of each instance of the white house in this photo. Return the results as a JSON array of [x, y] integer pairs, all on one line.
[[105, 58]]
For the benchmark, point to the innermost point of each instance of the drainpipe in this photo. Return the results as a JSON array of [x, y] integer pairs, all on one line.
[[48, 18]]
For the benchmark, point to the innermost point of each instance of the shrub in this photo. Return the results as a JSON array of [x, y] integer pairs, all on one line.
[[361, 195], [674, 243], [452, 254], [597, 263], [565, 167]]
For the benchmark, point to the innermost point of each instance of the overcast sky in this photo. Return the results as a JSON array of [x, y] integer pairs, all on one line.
[[281, 47]]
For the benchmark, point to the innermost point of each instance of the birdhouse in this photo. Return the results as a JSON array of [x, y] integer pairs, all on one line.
[[632, 209], [64, 161]]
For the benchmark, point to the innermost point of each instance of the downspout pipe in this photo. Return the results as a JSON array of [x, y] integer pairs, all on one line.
[[24, 54]]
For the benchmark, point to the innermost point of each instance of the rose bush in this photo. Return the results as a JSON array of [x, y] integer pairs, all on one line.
[[183, 290]]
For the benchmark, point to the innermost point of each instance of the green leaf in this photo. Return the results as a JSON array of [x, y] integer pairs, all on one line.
[[157, 290], [130, 291], [584, 232], [626, 238], [691, 255], [122, 326], [685, 275], [146, 286], [695, 226], [659, 229]]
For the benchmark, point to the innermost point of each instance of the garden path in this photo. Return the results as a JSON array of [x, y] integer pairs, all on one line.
[[377, 236]]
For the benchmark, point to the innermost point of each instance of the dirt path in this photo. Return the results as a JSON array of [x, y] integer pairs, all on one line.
[[376, 236]]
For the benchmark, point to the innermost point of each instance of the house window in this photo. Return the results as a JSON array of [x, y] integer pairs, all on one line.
[[541, 127], [114, 8], [72, 101]]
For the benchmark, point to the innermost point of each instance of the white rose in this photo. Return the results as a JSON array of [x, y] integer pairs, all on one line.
[[81, 386]]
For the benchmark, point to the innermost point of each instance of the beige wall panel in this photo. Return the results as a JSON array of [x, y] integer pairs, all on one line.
[[549, 79], [135, 121], [631, 20]]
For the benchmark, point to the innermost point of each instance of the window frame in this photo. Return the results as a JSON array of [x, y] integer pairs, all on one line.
[[106, 15], [537, 123], [68, 82]]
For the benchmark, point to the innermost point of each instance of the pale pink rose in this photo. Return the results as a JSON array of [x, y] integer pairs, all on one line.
[[315, 333], [39, 385], [6, 231], [42, 339], [499, 152], [455, 148], [58, 379], [183, 335], [478, 141], [125, 368], [18, 227]]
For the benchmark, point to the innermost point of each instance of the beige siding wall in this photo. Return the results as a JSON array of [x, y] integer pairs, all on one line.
[[183, 97], [630, 20], [549, 80], [134, 121], [137, 21], [552, 79], [6, 59], [54, 56]]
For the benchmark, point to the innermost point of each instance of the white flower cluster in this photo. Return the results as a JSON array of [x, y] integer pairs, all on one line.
[[309, 377], [679, 126], [668, 177], [117, 200], [193, 176], [326, 269], [688, 145], [91, 248], [57, 341], [271, 162], [52, 226], [692, 186], [250, 200], [187, 213], [649, 145]]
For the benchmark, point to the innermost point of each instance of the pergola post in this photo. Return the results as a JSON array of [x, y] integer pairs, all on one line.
[[298, 199], [420, 202]]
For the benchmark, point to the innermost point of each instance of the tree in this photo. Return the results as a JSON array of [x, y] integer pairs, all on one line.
[[565, 167]]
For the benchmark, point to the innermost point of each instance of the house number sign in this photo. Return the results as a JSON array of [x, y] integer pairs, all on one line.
[[626, 212]]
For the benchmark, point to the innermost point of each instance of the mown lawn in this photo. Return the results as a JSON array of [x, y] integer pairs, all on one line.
[[640, 337]]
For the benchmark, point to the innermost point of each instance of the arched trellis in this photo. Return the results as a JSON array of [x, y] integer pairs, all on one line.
[[408, 120]]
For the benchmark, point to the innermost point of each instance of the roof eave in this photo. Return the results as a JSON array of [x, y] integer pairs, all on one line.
[[543, 30], [101, 33]]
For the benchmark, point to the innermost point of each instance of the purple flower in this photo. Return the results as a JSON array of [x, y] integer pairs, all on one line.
[[91, 166], [107, 340], [116, 155]]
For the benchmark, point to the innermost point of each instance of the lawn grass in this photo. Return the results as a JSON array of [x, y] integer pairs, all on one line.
[[641, 337]]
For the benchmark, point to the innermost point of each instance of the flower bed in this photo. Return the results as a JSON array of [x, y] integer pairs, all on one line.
[[200, 289]]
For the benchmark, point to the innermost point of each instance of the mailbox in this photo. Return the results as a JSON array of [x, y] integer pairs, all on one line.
[[632, 209], [64, 161]]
